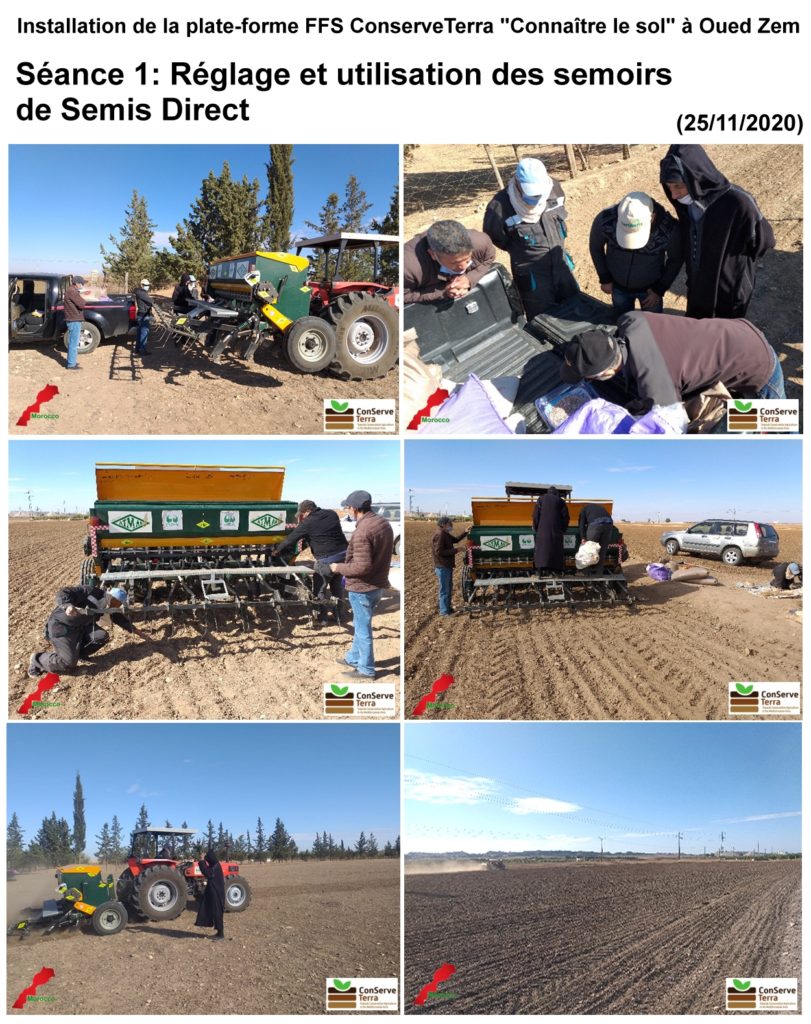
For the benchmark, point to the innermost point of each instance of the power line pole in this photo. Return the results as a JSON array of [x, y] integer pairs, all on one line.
[[679, 837], [601, 838], [721, 851], [410, 500], [30, 507]]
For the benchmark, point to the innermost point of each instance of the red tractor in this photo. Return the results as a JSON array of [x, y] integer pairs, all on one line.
[[157, 884], [365, 314]]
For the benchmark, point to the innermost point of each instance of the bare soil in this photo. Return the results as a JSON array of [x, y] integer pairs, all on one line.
[[174, 392], [670, 658], [185, 674], [643, 938], [457, 182], [306, 922]]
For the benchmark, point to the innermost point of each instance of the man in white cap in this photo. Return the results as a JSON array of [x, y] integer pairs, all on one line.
[[73, 629], [527, 219], [637, 252], [143, 316]]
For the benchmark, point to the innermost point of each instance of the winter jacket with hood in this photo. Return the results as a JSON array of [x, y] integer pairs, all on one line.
[[722, 245], [654, 266], [537, 256]]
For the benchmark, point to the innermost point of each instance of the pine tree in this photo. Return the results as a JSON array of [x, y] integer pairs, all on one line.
[[223, 221], [143, 818], [117, 851], [281, 844], [372, 849], [132, 255], [259, 846], [221, 837], [331, 846], [280, 199], [397, 847], [390, 254], [248, 843], [79, 826], [388, 849], [104, 843], [328, 223], [210, 835], [358, 265], [362, 845], [53, 840], [185, 843], [14, 842], [318, 849], [342, 850]]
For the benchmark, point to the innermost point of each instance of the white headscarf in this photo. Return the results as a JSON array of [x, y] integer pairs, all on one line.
[[528, 213]]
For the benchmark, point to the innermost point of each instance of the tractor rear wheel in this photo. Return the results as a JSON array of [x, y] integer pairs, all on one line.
[[237, 895], [310, 344], [160, 893], [366, 337], [109, 918]]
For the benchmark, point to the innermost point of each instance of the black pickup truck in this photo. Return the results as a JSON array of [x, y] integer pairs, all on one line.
[[36, 312]]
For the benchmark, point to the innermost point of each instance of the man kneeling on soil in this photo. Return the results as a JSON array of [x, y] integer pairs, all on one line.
[[662, 360], [73, 628], [787, 576], [366, 571]]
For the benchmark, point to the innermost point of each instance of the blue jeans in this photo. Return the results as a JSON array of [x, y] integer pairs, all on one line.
[[143, 333], [775, 386], [361, 654], [623, 301], [445, 577], [74, 331]]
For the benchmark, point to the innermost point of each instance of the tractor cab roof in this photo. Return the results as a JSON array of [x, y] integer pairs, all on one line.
[[535, 490], [346, 240]]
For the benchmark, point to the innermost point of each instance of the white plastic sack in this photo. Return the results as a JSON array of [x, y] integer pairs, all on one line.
[[587, 554]]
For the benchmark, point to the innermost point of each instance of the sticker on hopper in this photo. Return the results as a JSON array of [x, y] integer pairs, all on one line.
[[124, 521], [496, 543], [172, 519], [526, 542], [263, 522], [569, 542], [229, 519]]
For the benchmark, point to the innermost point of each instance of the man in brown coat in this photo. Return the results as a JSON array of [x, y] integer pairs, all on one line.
[[366, 571], [74, 317], [445, 262]]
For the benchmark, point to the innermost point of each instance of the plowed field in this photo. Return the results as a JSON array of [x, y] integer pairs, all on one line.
[[644, 937], [306, 922], [226, 673], [672, 657]]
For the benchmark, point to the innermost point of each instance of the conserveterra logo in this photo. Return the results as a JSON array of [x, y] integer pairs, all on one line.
[[368, 698]]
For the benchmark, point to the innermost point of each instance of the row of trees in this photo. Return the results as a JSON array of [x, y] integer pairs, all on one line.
[[230, 216], [56, 842]]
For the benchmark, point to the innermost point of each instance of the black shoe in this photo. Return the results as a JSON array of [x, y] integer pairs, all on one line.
[[33, 671], [77, 367], [343, 663], [352, 673], [219, 935]]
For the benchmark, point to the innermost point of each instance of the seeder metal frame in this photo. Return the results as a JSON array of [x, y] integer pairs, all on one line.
[[508, 589]]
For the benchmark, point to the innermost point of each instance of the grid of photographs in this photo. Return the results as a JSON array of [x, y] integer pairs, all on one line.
[[396, 624]]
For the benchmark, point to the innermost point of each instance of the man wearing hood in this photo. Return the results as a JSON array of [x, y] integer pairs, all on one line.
[[73, 628], [212, 905], [662, 360], [527, 219], [549, 521], [636, 250], [723, 233]]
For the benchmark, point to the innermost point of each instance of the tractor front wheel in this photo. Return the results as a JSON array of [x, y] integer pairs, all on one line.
[[237, 895], [310, 344], [366, 337], [109, 918], [160, 893]]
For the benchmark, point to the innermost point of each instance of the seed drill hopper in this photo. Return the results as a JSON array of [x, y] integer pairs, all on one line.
[[82, 894], [197, 540], [499, 570]]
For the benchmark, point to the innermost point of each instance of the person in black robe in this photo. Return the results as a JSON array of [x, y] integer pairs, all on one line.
[[212, 905], [549, 521]]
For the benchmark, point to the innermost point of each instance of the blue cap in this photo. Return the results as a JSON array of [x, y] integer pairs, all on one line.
[[533, 178]]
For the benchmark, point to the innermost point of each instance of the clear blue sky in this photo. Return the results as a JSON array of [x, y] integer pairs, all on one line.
[[687, 479], [324, 471], [64, 201], [315, 777], [540, 785]]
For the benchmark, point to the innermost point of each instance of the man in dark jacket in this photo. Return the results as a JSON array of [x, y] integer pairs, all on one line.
[[445, 262], [723, 233], [319, 529], [74, 306], [366, 571], [549, 521], [636, 250], [787, 576], [212, 904], [444, 552], [527, 219], [661, 360], [595, 524], [73, 628], [143, 316]]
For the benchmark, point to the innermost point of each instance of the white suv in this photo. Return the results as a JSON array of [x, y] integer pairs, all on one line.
[[389, 510]]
